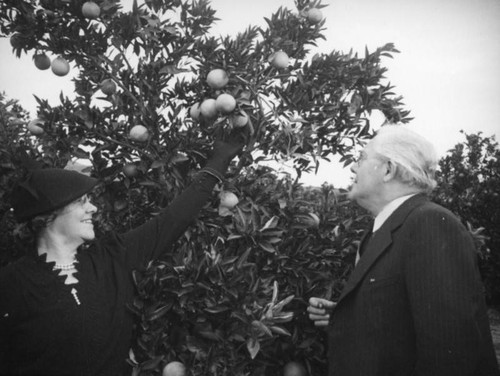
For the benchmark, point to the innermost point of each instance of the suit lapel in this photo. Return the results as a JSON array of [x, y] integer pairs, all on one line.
[[377, 245], [380, 242]]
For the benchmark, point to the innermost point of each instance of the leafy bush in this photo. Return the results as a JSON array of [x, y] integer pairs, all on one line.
[[469, 185], [237, 282], [13, 139]]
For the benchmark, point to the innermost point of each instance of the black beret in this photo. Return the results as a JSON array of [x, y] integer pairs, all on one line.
[[48, 189]]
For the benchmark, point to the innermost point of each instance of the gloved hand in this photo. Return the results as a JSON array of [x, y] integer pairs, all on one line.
[[225, 149]]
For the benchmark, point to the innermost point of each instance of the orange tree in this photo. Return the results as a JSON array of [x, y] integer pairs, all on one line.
[[153, 88], [469, 185]]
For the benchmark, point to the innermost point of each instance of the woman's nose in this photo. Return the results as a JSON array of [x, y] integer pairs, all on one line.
[[91, 207]]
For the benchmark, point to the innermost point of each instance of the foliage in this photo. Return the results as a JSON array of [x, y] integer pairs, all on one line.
[[469, 185], [231, 300], [13, 138], [220, 305]]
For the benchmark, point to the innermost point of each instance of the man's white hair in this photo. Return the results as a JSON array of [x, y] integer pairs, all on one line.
[[415, 157]]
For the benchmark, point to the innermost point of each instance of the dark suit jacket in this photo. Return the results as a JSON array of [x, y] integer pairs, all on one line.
[[414, 303]]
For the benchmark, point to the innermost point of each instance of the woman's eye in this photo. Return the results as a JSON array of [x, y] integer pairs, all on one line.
[[82, 200]]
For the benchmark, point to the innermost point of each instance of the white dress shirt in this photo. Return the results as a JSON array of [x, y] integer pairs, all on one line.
[[386, 213]]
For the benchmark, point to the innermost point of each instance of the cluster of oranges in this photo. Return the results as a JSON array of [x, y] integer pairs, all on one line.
[[224, 104], [60, 66]]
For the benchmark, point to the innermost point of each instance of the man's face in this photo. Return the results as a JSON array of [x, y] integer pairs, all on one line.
[[369, 171]]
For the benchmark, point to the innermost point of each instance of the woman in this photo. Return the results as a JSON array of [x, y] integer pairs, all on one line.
[[63, 311]]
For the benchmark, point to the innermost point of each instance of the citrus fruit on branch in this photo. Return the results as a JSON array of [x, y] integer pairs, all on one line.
[[139, 133], [42, 61], [225, 103], [208, 108], [279, 60], [314, 16], [240, 119], [194, 111], [294, 369], [108, 86], [228, 199], [60, 66], [217, 78], [174, 368], [91, 10], [35, 127]]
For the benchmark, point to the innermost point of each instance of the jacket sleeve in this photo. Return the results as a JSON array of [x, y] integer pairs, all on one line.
[[445, 294], [151, 239]]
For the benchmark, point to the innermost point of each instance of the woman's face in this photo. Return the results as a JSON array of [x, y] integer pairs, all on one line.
[[75, 221]]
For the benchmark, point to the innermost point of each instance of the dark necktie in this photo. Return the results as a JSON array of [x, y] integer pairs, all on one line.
[[366, 240]]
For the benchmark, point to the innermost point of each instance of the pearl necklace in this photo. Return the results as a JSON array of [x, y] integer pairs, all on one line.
[[69, 266]]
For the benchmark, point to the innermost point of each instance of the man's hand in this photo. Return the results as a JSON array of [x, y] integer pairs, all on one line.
[[319, 311]]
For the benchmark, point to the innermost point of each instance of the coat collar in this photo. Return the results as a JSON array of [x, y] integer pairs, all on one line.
[[380, 242]]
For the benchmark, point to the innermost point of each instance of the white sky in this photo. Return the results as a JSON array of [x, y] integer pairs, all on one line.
[[448, 69]]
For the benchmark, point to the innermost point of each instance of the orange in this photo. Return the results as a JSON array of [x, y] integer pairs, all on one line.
[[90, 10], [42, 61], [60, 66], [228, 199], [240, 119], [314, 16], [279, 60], [225, 103], [217, 78], [294, 369], [35, 127], [194, 111], [174, 368], [17, 40], [139, 133], [108, 86], [208, 108], [130, 170]]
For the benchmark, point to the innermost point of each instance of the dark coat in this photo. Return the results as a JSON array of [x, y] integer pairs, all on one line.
[[45, 330], [414, 304]]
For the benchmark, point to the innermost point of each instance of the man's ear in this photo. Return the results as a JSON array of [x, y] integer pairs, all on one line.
[[390, 172]]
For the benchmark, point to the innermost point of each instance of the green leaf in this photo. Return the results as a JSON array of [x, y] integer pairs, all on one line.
[[156, 314], [271, 223], [253, 347], [266, 246], [279, 330], [151, 363]]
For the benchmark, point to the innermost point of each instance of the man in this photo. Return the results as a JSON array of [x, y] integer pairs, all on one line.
[[414, 303]]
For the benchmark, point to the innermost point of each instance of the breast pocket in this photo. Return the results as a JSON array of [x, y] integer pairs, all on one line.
[[375, 283], [384, 301]]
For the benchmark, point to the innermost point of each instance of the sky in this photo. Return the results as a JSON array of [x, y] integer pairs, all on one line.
[[448, 69]]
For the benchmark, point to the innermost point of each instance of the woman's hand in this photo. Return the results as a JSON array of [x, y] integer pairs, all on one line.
[[319, 311], [228, 145], [225, 148]]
